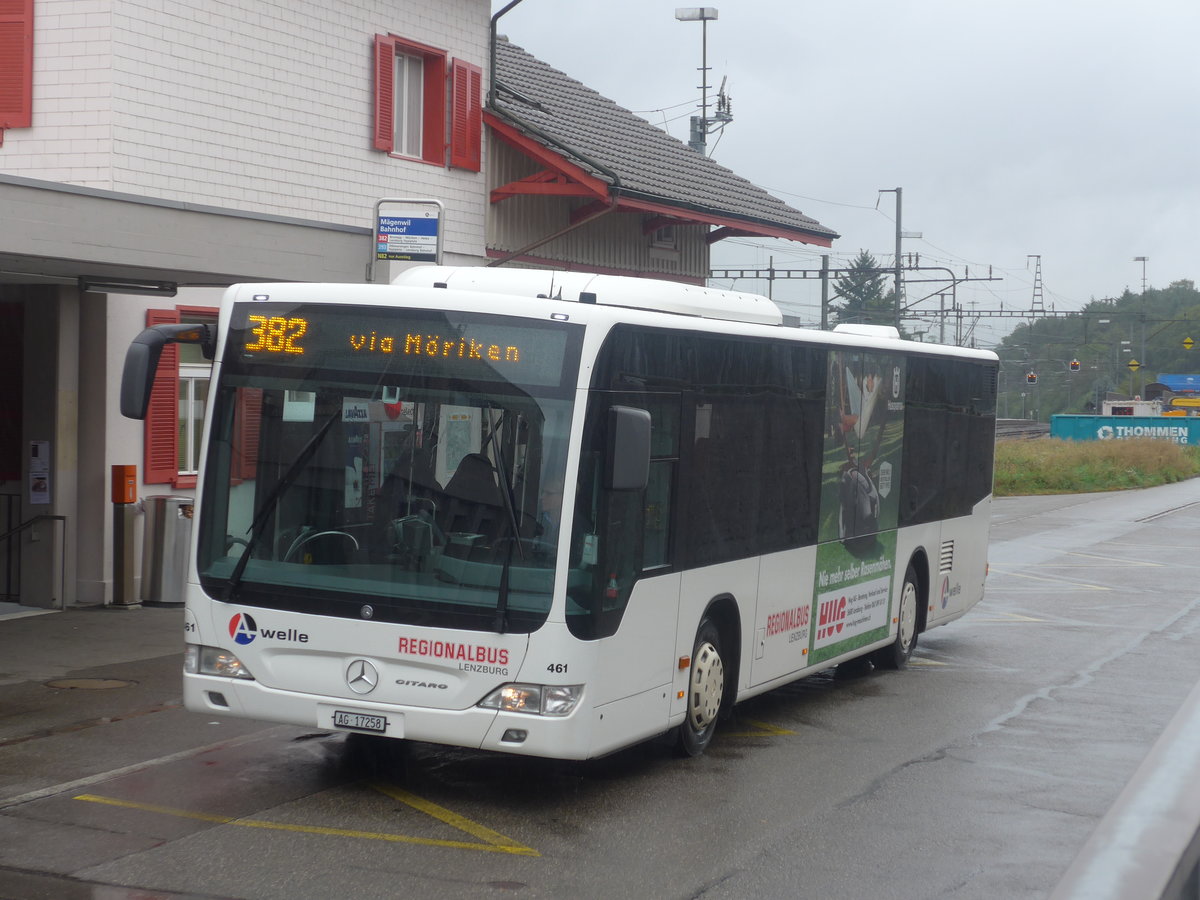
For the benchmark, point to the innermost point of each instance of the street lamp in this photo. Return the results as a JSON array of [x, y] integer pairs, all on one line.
[[1143, 260], [702, 14]]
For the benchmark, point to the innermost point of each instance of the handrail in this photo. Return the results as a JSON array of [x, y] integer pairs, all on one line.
[[29, 523]]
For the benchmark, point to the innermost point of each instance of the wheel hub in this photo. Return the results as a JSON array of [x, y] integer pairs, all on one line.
[[707, 686], [908, 614]]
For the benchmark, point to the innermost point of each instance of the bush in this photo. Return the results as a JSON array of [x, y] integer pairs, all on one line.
[[1052, 466]]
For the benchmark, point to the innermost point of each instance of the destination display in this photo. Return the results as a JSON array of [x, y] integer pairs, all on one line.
[[488, 348]]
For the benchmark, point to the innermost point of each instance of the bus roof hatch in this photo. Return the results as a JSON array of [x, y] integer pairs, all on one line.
[[605, 290]]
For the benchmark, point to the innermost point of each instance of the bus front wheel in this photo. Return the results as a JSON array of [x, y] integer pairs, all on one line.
[[896, 654], [706, 691]]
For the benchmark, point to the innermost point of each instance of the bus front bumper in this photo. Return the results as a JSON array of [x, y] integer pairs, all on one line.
[[560, 737]]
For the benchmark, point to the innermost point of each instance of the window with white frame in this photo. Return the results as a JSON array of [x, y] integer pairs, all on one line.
[[194, 372], [193, 394], [410, 105]]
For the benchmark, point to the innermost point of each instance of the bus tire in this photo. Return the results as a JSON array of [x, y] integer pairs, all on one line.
[[896, 654], [706, 691]]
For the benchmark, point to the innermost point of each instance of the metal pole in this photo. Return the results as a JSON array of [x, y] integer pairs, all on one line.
[[824, 291], [899, 290], [124, 517], [703, 84]]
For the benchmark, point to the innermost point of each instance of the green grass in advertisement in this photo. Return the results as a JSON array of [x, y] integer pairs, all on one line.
[[853, 593]]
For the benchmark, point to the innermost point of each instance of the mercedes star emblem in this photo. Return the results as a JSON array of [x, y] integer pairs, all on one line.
[[361, 676]]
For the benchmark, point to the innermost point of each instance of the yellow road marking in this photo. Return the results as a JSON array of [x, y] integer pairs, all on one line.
[[495, 842], [758, 729], [494, 838], [1007, 618], [1061, 582], [1105, 562]]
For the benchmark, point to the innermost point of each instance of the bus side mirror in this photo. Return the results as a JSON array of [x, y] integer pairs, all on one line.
[[141, 361], [628, 449]]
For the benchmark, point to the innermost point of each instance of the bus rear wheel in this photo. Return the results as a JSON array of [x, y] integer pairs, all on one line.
[[896, 654], [706, 691]]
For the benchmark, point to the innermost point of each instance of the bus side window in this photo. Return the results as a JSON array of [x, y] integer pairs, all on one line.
[[660, 489]]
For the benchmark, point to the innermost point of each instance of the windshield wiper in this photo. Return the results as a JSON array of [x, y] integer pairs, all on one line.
[[258, 526], [510, 507]]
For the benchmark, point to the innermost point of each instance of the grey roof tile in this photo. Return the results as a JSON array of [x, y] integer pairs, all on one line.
[[610, 140]]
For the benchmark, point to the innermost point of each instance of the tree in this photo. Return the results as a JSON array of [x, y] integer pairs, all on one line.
[[862, 291], [1104, 337]]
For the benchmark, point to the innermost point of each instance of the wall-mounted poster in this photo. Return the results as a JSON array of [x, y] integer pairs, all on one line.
[[39, 473]]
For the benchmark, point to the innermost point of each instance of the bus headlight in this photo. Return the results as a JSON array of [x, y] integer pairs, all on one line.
[[535, 699], [199, 660]]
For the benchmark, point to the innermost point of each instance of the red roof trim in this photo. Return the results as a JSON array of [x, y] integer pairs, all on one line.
[[591, 185], [756, 229], [543, 183], [598, 188]]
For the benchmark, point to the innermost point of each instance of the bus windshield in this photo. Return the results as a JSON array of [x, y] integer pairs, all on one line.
[[388, 464]]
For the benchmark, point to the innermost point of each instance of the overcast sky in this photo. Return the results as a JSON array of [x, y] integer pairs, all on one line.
[[1068, 129]]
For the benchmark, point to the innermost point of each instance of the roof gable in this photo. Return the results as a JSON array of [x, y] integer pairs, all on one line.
[[634, 158]]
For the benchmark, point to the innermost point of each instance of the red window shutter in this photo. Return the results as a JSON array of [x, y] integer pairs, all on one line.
[[385, 92], [161, 458], [466, 115], [16, 64], [249, 425], [434, 126]]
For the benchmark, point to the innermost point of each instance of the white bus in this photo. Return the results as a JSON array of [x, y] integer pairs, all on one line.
[[557, 514]]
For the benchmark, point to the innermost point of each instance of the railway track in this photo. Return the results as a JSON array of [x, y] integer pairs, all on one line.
[[1020, 429]]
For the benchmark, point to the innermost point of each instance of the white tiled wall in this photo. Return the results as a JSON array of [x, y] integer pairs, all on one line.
[[241, 104]]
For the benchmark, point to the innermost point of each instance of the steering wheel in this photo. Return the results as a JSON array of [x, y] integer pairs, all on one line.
[[306, 538]]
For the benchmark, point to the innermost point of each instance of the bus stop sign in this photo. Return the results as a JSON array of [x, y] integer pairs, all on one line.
[[408, 230]]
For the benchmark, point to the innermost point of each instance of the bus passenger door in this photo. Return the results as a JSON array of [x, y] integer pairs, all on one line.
[[633, 598]]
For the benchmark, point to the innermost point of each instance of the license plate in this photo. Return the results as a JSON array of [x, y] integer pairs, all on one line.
[[359, 721]]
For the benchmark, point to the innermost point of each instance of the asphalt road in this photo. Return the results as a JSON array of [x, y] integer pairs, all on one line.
[[978, 772]]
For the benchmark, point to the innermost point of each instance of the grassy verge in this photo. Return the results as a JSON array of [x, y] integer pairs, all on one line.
[[1051, 466]]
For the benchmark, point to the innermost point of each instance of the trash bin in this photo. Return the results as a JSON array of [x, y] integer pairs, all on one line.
[[165, 549]]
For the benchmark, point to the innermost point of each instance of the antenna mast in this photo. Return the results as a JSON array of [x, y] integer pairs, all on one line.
[[703, 125]]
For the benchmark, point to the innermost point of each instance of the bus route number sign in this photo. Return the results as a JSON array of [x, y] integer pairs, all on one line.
[[276, 334]]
